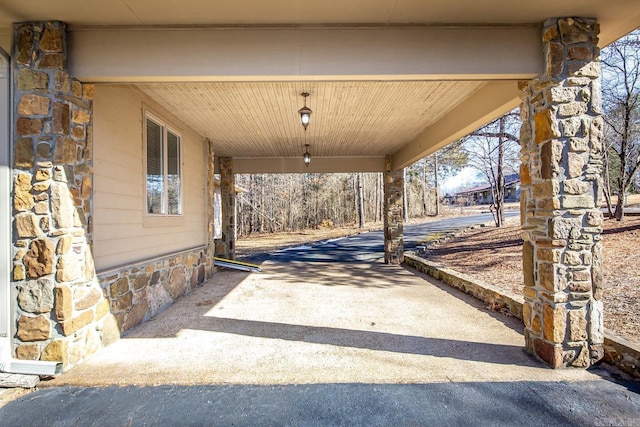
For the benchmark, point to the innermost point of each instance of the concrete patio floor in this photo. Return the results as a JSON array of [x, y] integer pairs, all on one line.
[[320, 323]]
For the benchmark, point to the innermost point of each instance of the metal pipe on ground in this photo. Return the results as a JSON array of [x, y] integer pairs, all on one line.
[[236, 265]]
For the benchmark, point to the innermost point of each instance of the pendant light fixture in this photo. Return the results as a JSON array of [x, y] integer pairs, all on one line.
[[305, 112], [306, 156]]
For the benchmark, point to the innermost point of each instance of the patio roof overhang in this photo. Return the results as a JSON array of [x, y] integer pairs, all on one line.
[[399, 78]]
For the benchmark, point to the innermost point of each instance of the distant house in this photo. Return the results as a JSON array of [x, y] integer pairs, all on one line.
[[483, 195]]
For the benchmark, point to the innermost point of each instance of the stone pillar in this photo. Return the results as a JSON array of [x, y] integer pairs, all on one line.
[[211, 190], [393, 215], [61, 314], [561, 140], [227, 246]]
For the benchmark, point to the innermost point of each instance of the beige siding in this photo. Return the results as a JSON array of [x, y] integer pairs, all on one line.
[[123, 233]]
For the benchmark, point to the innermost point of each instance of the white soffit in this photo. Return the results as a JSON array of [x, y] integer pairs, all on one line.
[[350, 118]]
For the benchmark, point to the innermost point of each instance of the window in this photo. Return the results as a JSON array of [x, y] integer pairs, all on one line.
[[164, 187]]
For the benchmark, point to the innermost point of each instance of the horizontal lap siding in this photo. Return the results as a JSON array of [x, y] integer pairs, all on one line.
[[120, 234]]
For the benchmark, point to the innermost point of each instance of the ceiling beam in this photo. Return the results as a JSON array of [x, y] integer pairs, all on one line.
[[486, 104], [295, 54], [296, 165]]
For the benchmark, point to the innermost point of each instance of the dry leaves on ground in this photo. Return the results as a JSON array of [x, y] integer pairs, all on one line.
[[495, 256]]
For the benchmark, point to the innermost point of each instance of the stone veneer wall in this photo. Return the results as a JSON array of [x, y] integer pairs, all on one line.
[[393, 214], [61, 313], [561, 141], [138, 292]]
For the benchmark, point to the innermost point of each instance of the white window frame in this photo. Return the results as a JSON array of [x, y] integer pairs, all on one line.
[[166, 128]]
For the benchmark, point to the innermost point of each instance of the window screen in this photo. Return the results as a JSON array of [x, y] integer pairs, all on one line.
[[155, 168], [173, 173]]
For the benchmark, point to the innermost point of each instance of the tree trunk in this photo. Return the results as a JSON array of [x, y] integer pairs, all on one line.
[[290, 205], [356, 199], [435, 184], [607, 184], [271, 206], [251, 224], [240, 220], [315, 204], [405, 199], [620, 206], [261, 205], [378, 209], [624, 151], [360, 197], [379, 197], [499, 202], [425, 189]]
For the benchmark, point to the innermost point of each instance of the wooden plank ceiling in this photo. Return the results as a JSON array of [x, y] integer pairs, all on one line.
[[260, 119]]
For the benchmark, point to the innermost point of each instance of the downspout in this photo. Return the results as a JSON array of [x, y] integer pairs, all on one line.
[[7, 363]]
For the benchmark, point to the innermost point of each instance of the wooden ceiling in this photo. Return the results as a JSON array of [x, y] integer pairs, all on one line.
[[360, 118]]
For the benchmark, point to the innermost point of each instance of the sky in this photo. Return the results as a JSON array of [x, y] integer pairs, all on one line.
[[467, 177]]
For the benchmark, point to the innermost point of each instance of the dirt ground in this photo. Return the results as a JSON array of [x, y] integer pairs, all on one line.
[[497, 260], [260, 243], [10, 394]]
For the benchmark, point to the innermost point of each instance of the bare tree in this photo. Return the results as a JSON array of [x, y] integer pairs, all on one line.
[[424, 175], [292, 202], [492, 150], [360, 199], [435, 183], [405, 197], [446, 162], [621, 99]]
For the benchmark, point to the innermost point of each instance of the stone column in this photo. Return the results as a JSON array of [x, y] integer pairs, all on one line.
[[211, 189], [61, 314], [227, 249], [561, 140], [393, 215]]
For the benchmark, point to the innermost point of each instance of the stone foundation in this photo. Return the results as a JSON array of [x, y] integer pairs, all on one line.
[[623, 355], [561, 139], [138, 292]]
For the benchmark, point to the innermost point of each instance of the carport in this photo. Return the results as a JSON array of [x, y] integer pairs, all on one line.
[[290, 346], [388, 81], [320, 323]]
